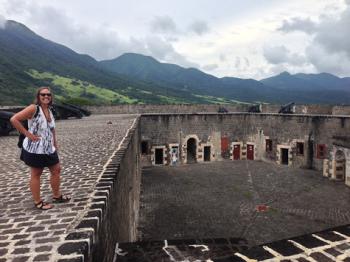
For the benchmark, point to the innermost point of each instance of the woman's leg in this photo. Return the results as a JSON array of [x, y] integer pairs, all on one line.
[[55, 171], [35, 174], [34, 183]]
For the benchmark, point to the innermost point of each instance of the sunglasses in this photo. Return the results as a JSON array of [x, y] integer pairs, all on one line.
[[49, 95]]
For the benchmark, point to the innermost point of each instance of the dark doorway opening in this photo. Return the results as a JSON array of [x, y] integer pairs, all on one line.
[[284, 156], [300, 148], [191, 150], [144, 147], [159, 159], [250, 152], [268, 145], [207, 153], [310, 152]]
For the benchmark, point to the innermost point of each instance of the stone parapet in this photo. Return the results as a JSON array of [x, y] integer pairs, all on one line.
[[197, 108]]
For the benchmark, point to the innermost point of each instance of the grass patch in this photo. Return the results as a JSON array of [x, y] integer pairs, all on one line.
[[219, 100], [81, 92]]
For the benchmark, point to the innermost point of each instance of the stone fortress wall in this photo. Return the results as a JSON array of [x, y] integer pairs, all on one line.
[[307, 141], [196, 108]]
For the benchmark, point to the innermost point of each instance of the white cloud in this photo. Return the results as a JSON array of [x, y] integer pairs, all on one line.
[[222, 57], [163, 25], [335, 63], [334, 34], [298, 24], [247, 63], [276, 54], [210, 67], [280, 54], [2, 21], [329, 46], [199, 27]]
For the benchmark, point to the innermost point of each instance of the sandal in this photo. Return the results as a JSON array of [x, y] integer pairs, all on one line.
[[43, 206], [61, 199]]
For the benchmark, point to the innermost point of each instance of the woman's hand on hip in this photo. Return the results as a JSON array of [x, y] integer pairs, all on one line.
[[33, 137]]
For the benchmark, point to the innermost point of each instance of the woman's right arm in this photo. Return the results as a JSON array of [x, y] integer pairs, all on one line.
[[25, 114]]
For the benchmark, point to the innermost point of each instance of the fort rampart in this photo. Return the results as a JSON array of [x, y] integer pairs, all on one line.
[[196, 108]]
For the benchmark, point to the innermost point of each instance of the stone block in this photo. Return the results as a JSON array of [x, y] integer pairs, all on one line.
[[74, 248]]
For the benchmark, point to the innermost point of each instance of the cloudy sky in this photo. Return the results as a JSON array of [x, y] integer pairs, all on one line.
[[247, 39]]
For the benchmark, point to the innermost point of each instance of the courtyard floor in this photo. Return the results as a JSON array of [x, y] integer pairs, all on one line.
[[220, 199]]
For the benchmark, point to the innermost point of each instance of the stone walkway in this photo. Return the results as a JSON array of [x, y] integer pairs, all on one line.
[[85, 145], [220, 200]]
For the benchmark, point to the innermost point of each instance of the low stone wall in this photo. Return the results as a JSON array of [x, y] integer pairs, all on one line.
[[341, 110], [114, 216], [138, 109], [196, 108]]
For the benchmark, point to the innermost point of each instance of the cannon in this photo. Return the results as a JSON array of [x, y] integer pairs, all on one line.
[[287, 109], [84, 111], [255, 108], [5, 124], [222, 110], [66, 111]]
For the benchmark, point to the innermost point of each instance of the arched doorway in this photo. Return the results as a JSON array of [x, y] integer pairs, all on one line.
[[191, 150], [340, 165]]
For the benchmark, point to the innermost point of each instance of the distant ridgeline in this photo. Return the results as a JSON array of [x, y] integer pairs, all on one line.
[[28, 60]]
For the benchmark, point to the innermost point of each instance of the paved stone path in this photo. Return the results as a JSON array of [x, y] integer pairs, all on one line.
[[219, 200], [85, 145]]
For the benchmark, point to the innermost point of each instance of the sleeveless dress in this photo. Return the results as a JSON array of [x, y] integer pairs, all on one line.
[[41, 153]]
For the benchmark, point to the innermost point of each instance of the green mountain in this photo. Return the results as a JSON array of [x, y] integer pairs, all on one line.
[[25, 57], [149, 69], [316, 82], [283, 88], [314, 88]]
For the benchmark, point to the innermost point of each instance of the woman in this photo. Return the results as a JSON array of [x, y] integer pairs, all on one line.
[[39, 149]]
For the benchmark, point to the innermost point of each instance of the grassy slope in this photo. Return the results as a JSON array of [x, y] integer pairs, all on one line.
[[84, 93], [67, 89]]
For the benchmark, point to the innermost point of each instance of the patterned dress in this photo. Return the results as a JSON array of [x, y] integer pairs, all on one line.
[[41, 153]]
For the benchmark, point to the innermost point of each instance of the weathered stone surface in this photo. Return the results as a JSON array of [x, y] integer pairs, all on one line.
[[84, 148], [43, 249], [74, 247], [219, 199], [45, 257]]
